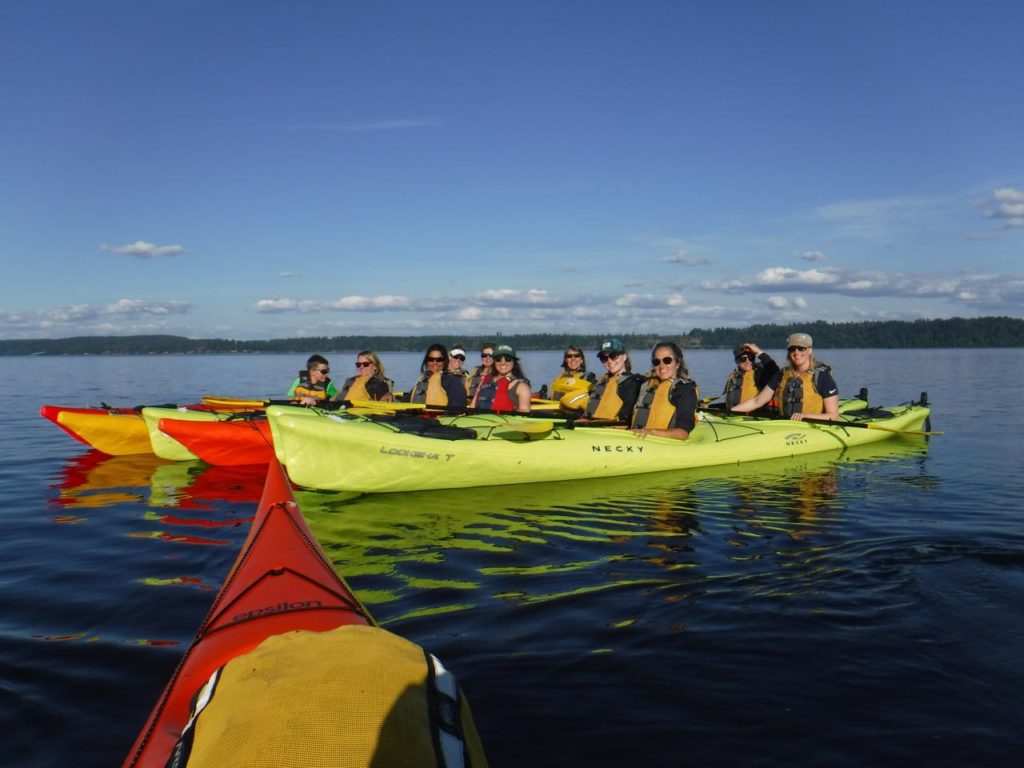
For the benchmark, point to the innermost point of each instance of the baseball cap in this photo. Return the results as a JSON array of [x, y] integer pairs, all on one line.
[[505, 349], [799, 340], [611, 345]]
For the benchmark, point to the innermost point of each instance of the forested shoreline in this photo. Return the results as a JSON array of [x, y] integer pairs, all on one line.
[[928, 334]]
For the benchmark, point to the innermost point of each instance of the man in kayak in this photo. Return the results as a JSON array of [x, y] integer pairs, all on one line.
[[313, 384], [806, 389], [615, 393], [754, 369]]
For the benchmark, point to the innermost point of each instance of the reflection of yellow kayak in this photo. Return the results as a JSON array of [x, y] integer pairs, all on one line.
[[95, 479], [397, 541], [329, 452]]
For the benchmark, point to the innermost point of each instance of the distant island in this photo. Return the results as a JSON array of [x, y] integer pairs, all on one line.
[[891, 334]]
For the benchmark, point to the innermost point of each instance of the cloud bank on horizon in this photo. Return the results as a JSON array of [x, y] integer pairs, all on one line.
[[367, 174]]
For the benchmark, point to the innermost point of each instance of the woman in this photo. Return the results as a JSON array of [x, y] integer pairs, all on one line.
[[313, 384], [437, 387], [806, 390], [483, 372], [508, 390], [369, 383], [668, 405], [456, 358], [615, 393], [754, 368], [573, 384]]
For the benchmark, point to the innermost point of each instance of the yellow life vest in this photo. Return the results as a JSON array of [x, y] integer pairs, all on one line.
[[428, 389], [357, 389], [799, 392], [606, 395], [569, 383], [654, 410], [354, 695], [740, 386], [576, 400]]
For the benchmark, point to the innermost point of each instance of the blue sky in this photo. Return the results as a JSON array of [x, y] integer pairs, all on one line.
[[265, 169]]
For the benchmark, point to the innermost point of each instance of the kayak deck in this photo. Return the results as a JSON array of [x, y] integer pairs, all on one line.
[[230, 442], [281, 581]]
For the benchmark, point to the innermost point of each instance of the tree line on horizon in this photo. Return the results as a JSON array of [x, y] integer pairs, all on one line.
[[954, 332]]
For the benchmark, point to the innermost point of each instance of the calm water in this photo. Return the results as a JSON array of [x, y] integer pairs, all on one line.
[[853, 610]]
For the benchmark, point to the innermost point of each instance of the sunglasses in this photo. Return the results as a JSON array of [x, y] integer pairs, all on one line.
[[322, 370], [662, 360], [363, 365], [459, 357], [744, 359], [572, 356], [798, 349], [435, 359], [503, 358], [604, 358], [486, 354]]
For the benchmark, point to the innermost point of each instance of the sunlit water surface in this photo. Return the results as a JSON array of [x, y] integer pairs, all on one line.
[[858, 609]]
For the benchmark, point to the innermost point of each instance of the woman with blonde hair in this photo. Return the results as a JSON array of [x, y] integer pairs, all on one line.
[[806, 389], [369, 383]]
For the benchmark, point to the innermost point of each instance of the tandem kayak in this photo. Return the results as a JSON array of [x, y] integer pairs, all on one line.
[[371, 455], [229, 442], [289, 669], [114, 431], [166, 446]]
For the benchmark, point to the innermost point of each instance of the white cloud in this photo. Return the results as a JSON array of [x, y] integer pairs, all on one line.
[[812, 256], [78, 319], [784, 277], [650, 300], [369, 303], [686, 259], [1002, 293], [140, 249], [289, 274], [509, 296], [137, 307], [1006, 204]]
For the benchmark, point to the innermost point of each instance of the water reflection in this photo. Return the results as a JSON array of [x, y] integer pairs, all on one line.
[[451, 550], [94, 480], [763, 525]]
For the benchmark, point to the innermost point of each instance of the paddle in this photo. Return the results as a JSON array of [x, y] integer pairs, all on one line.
[[838, 423]]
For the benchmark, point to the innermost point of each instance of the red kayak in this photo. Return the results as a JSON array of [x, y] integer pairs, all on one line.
[[231, 442], [281, 581]]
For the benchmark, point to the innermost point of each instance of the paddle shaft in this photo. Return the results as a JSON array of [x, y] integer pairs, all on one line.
[[837, 423]]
